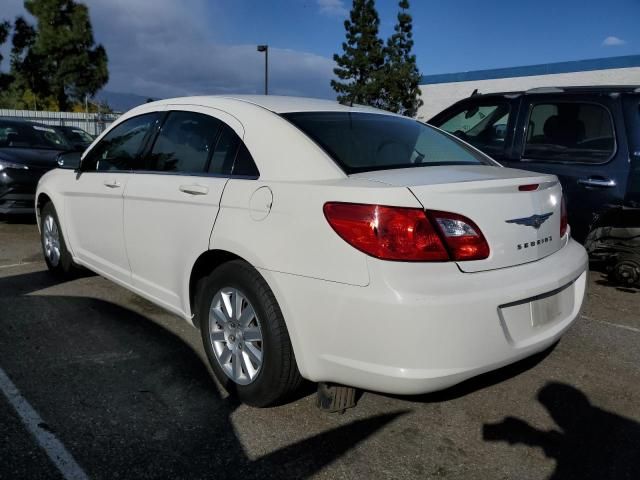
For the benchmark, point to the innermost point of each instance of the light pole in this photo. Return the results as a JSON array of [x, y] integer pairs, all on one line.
[[265, 49]]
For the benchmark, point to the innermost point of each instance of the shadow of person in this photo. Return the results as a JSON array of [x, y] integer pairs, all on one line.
[[591, 443], [131, 398]]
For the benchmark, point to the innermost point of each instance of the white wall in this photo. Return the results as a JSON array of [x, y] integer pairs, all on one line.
[[439, 96]]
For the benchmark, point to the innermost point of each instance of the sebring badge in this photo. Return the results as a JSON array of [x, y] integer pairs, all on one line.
[[534, 221]]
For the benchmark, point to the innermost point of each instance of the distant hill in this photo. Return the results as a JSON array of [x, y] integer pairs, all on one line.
[[120, 102]]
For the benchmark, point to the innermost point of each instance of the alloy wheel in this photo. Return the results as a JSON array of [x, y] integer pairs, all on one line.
[[236, 336], [51, 240]]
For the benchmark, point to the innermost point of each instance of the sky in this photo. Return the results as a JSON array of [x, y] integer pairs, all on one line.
[[164, 48]]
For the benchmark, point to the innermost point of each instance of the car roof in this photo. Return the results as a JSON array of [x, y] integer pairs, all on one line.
[[19, 121], [274, 103], [599, 89]]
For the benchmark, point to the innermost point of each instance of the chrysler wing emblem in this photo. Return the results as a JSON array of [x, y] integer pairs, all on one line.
[[534, 221]]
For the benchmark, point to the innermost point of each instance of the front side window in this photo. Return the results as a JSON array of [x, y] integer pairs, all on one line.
[[184, 143], [569, 132], [360, 142], [483, 126], [120, 148]]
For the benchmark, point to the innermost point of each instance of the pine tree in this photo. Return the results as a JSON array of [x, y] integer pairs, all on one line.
[[5, 28], [401, 78], [58, 59], [358, 67]]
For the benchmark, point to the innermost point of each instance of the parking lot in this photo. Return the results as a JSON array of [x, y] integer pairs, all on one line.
[[123, 388]]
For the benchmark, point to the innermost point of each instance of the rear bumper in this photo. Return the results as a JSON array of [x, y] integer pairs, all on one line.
[[418, 328]]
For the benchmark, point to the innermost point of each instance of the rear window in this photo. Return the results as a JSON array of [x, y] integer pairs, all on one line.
[[360, 142]]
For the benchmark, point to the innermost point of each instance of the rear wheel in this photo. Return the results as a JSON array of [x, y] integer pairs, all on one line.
[[54, 248], [626, 270], [245, 336]]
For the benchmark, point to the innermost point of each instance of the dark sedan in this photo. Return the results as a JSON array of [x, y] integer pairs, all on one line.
[[76, 137], [27, 151]]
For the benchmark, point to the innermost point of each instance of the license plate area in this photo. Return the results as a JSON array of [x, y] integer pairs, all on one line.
[[528, 318], [548, 309]]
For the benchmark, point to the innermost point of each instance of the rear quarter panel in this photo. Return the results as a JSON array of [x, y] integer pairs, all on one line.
[[295, 237]]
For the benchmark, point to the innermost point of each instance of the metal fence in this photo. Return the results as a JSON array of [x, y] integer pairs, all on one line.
[[94, 123]]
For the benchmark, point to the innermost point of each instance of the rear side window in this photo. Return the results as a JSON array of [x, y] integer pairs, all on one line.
[[569, 132], [483, 126], [184, 143], [225, 152], [232, 157], [360, 142], [244, 164], [119, 149]]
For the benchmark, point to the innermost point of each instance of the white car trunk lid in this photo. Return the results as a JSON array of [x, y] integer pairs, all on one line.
[[520, 226]]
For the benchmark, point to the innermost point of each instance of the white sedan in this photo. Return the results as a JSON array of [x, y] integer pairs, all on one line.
[[307, 239]]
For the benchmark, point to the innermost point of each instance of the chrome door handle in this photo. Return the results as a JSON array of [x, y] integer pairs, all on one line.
[[194, 189], [112, 184], [597, 182]]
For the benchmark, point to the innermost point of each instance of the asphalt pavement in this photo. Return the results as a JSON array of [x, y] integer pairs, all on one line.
[[105, 385]]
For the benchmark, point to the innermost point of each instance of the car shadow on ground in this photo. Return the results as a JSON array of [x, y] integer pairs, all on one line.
[[590, 443], [24, 219], [131, 399]]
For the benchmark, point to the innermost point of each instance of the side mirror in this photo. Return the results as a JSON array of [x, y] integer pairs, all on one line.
[[69, 160]]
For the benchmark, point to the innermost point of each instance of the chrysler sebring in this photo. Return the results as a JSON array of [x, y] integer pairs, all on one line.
[[307, 239]]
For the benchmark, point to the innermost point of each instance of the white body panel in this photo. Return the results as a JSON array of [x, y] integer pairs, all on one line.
[[390, 326], [418, 328], [94, 228], [166, 228], [489, 196]]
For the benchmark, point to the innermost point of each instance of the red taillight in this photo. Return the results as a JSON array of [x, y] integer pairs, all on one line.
[[564, 218], [463, 237], [528, 188], [388, 233], [406, 234]]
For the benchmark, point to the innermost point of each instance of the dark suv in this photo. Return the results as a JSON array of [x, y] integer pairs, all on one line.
[[588, 136]]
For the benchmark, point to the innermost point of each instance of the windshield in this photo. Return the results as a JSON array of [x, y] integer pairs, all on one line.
[[76, 135], [26, 135], [360, 142]]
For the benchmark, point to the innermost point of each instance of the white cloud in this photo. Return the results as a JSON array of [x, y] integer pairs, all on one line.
[[613, 42], [159, 48], [333, 7]]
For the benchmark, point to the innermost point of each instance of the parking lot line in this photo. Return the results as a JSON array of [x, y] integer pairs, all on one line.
[[611, 324], [17, 264], [53, 447]]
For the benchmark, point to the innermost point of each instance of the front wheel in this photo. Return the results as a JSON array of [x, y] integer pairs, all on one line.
[[245, 336], [54, 247]]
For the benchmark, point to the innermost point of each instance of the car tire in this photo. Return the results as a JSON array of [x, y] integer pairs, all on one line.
[[235, 307], [626, 270], [54, 248]]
